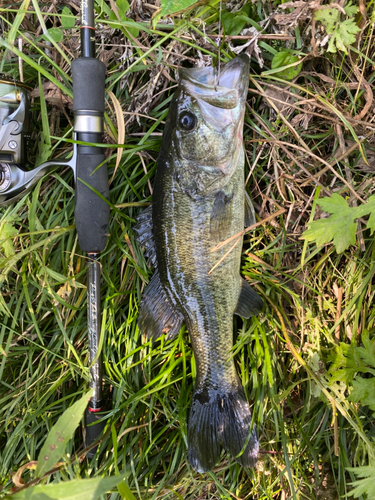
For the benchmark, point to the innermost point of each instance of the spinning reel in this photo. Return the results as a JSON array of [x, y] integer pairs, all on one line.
[[15, 179]]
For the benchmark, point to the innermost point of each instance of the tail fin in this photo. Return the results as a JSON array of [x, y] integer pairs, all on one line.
[[220, 419]]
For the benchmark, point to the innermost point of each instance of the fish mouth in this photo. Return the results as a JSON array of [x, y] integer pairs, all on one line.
[[235, 75], [224, 90]]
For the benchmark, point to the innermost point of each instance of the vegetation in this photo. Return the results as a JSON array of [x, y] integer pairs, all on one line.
[[308, 361]]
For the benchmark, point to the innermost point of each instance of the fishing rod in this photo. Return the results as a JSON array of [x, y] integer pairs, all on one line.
[[91, 210], [91, 185]]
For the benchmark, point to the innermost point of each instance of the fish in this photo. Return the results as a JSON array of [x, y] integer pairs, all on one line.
[[198, 202]]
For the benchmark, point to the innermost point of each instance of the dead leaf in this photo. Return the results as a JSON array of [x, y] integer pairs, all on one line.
[[53, 95], [280, 99], [120, 128], [17, 479], [361, 165], [64, 291], [251, 46], [302, 11]]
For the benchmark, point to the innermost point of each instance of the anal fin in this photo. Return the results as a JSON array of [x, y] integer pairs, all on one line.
[[220, 215], [249, 302], [157, 314]]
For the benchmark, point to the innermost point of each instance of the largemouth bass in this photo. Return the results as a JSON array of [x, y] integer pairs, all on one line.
[[199, 201]]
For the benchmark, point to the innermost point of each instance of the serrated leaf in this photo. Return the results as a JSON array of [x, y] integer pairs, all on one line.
[[333, 204], [364, 486], [7, 232], [60, 434], [68, 21], [340, 227], [363, 392], [344, 34], [77, 489], [172, 6], [329, 18], [284, 58], [367, 352], [350, 9], [346, 363]]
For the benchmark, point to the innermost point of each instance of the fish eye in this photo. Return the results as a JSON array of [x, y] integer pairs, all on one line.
[[187, 120]]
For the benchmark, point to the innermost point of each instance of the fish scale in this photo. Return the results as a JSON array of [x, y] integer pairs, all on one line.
[[199, 201]]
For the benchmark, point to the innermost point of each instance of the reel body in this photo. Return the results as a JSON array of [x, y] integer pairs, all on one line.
[[14, 121], [14, 130]]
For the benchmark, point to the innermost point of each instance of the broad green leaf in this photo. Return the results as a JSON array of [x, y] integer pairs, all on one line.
[[133, 31], [120, 14], [60, 434], [172, 6], [284, 58], [371, 222], [340, 227], [365, 486], [56, 34], [7, 232], [67, 19], [233, 23], [77, 489], [123, 6]]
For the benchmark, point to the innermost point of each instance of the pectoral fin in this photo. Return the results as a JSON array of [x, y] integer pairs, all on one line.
[[157, 313], [145, 235], [249, 302], [249, 211], [221, 213]]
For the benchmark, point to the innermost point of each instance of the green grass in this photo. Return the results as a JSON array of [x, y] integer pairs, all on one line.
[[283, 356]]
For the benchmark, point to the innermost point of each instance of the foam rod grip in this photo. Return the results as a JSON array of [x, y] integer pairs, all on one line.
[[88, 84], [94, 427], [91, 211]]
